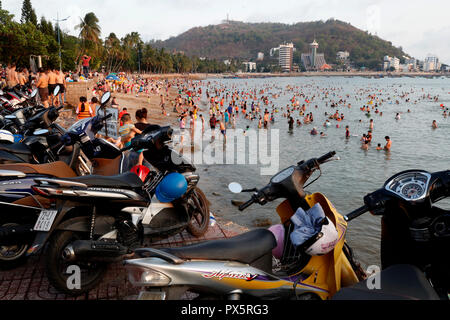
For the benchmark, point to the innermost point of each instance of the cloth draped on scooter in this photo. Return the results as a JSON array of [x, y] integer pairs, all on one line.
[[306, 224]]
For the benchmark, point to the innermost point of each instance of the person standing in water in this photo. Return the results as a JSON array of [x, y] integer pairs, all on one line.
[[388, 143], [434, 125], [291, 124], [347, 132]]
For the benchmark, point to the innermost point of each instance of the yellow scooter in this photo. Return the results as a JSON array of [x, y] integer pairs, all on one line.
[[243, 266]]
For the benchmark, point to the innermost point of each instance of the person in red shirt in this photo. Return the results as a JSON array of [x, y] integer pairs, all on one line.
[[122, 113], [86, 60]]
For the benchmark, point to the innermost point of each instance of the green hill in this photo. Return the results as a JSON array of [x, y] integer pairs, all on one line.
[[238, 40]]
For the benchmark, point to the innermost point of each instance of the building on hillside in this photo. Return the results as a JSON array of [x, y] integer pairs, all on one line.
[[313, 61], [431, 63], [342, 56], [227, 62], [273, 51], [249, 66], [391, 62], [286, 57], [260, 56], [412, 63]]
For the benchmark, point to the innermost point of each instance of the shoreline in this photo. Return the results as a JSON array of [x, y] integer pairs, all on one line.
[[366, 74]]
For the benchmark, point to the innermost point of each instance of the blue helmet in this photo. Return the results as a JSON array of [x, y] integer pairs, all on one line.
[[173, 187]]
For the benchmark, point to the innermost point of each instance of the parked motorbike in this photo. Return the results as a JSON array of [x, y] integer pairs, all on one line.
[[42, 136], [97, 220], [242, 267], [20, 206]]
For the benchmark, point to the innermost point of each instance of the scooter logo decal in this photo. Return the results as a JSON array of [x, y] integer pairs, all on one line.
[[228, 274]]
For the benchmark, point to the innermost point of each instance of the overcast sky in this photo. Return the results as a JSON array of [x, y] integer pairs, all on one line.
[[420, 27]]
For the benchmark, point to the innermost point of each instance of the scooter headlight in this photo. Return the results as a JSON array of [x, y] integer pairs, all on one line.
[[145, 277]]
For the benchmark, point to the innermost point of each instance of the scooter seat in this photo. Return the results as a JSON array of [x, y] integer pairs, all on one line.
[[400, 282], [17, 148], [57, 169], [128, 180], [245, 248]]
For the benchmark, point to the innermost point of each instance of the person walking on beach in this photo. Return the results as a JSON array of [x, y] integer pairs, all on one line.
[[223, 131], [61, 82], [212, 124], [12, 79], [42, 86], [203, 123], [52, 85]]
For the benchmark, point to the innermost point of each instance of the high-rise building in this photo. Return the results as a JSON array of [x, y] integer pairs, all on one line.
[[314, 61], [286, 57], [390, 62], [260, 56], [431, 63]]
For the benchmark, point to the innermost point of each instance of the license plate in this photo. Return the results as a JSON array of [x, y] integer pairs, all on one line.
[[45, 220], [149, 295]]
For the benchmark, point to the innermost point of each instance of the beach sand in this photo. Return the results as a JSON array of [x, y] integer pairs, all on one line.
[[155, 116], [133, 103]]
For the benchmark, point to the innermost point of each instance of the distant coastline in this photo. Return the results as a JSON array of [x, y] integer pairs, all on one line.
[[368, 74], [371, 74]]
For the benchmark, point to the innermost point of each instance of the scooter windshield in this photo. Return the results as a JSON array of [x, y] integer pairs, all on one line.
[[82, 125]]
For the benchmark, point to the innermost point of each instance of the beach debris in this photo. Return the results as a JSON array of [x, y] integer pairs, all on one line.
[[237, 203], [262, 222]]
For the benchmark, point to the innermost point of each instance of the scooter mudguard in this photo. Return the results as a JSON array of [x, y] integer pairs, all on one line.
[[43, 236]]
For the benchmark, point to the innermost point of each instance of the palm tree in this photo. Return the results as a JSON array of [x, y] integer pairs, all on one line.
[[89, 32]]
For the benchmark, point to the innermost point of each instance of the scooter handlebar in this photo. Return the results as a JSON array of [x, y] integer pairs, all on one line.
[[355, 214], [326, 157], [247, 204]]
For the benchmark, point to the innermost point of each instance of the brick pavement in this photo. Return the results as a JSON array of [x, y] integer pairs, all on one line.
[[29, 282]]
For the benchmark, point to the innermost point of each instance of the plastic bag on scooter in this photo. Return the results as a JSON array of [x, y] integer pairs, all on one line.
[[306, 224]]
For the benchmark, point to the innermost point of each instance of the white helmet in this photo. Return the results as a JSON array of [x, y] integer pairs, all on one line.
[[6, 136], [327, 241]]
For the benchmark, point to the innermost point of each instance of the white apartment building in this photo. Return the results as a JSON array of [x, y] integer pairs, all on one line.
[[391, 62], [249, 66], [342, 56], [431, 63], [286, 57]]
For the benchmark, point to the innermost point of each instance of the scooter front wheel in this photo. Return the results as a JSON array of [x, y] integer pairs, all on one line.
[[71, 277], [199, 209]]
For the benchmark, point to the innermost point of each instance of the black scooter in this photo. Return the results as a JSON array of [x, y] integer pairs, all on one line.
[[97, 220]]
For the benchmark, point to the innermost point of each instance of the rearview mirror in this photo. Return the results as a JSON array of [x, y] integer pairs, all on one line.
[[33, 94], [56, 91], [105, 98], [40, 132], [235, 187]]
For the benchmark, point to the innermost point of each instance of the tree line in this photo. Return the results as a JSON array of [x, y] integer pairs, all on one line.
[[33, 37]]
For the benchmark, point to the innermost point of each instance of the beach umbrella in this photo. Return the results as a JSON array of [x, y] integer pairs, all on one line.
[[112, 77]]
